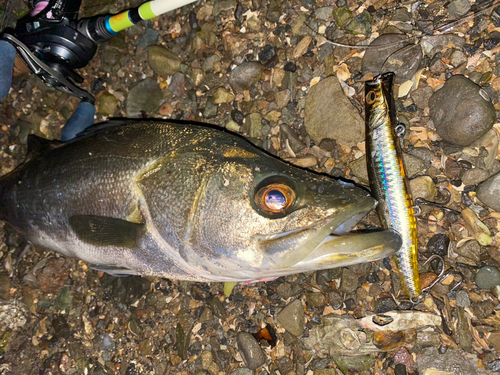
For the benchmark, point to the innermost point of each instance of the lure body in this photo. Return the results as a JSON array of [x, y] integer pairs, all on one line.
[[388, 180]]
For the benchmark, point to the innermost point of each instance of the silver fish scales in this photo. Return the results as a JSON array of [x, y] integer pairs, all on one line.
[[388, 179]]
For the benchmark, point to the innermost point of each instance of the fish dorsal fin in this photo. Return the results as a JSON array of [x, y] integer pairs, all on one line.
[[36, 144], [107, 231]]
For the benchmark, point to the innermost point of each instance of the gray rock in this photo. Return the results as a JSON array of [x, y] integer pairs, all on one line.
[[458, 8], [471, 249], [250, 350], [341, 121], [421, 98], [488, 192], [453, 360], [211, 108], [287, 134], [413, 165], [242, 371], [458, 58], [359, 169], [163, 61], [404, 62], [323, 13], [348, 281], [292, 318], [149, 36], [177, 85], [487, 277], [490, 143], [464, 333], [460, 112], [474, 176], [253, 125], [355, 365], [361, 24], [437, 42], [274, 11], [315, 299], [374, 58], [208, 63], [144, 98], [423, 187], [245, 75], [483, 309], [463, 299], [342, 15]]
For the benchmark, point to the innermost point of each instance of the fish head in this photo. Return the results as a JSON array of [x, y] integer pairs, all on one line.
[[260, 217]]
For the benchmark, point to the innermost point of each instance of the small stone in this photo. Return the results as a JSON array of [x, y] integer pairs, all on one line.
[[342, 16], [163, 61], [144, 99], [488, 192], [232, 126], [483, 309], [374, 58], [292, 318], [458, 58], [474, 176], [253, 125], [209, 63], [245, 75], [335, 300], [211, 108], [438, 244], [494, 339], [178, 84], [385, 304], [354, 365], [348, 282], [423, 187], [361, 24], [242, 371], [216, 306], [250, 350], [487, 277], [404, 62], [463, 299], [458, 8], [421, 96], [359, 169], [315, 300], [107, 104], [404, 359], [223, 95], [471, 249]]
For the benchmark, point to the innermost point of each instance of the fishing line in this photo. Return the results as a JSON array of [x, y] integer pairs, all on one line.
[[439, 31]]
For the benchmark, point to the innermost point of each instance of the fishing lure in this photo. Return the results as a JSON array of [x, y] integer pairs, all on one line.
[[388, 180]]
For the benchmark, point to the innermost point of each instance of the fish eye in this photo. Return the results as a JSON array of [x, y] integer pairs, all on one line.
[[274, 198], [370, 97]]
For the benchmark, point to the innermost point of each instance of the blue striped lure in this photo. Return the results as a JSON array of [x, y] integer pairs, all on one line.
[[388, 180]]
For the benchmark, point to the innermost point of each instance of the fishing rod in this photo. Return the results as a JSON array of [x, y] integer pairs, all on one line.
[[53, 42]]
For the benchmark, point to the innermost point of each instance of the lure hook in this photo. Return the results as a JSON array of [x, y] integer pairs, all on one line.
[[443, 274], [439, 204]]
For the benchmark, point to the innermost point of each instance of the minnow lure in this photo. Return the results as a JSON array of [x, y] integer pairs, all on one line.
[[388, 180]]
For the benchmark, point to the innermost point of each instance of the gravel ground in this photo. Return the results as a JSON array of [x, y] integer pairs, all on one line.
[[269, 71]]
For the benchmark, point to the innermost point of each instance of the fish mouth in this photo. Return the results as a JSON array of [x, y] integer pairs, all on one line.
[[328, 243]]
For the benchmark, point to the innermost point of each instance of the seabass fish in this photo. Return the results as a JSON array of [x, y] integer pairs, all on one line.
[[185, 202]]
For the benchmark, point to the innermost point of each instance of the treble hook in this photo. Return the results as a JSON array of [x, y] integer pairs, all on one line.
[[440, 204], [441, 277]]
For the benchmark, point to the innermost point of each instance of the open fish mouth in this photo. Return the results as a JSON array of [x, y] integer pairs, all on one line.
[[329, 243]]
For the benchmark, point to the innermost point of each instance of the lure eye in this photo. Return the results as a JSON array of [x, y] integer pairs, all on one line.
[[370, 97], [274, 198]]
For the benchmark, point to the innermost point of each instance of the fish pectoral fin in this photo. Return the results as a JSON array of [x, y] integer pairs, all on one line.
[[107, 231], [37, 145], [113, 270]]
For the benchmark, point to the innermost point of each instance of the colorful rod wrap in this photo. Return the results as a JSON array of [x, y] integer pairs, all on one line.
[[146, 11]]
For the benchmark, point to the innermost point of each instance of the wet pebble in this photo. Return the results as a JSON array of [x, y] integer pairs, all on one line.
[[341, 122], [487, 277], [315, 300], [471, 250], [250, 350], [348, 281], [463, 299], [374, 58], [242, 371], [385, 304], [474, 176], [423, 187], [438, 244], [404, 62], [245, 75], [144, 99], [292, 318], [216, 306], [458, 8], [488, 192], [483, 309], [223, 95], [460, 112], [106, 104], [163, 61], [178, 84]]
